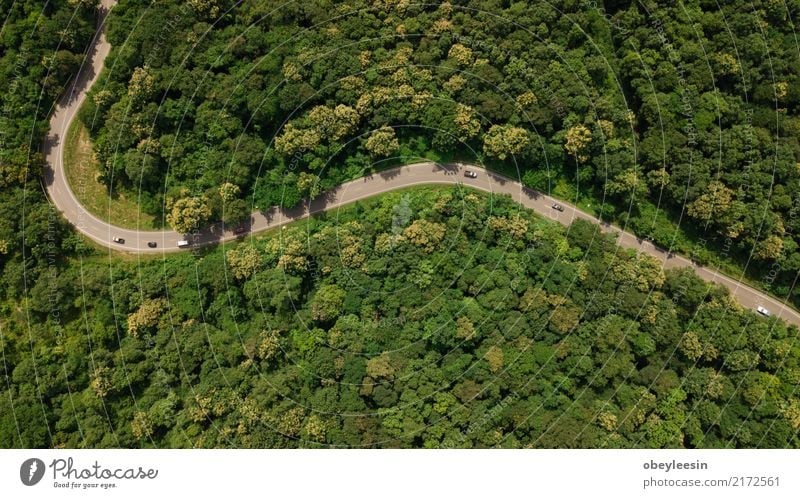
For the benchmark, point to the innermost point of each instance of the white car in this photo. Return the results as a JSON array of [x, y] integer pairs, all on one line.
[[470, 174], [183, 243], [764, 311]]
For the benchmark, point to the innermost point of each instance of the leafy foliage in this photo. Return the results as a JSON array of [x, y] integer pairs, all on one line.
[[41, 47], [647, 107], [439, 318], [477, 325]]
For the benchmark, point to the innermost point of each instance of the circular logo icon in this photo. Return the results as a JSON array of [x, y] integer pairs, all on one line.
[[31, 471]]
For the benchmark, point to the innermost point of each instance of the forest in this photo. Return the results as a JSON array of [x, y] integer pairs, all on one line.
[[678, 121], [41, 48], [435, 317], [432, 317]]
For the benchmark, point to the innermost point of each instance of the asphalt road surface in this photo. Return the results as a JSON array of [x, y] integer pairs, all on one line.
[[136, 241]]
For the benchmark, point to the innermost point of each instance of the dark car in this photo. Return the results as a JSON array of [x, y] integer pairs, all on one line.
[[558, 207], [118, 240], [152, 244], [470, 174], [239, 230]]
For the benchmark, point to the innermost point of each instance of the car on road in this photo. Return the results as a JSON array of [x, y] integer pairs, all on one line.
[[557, 207], [183, 243], [239, 230], [470, 174], [764, 311], [118, 240], [152, 244]]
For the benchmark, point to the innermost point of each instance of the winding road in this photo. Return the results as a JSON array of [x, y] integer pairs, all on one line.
[[136, 241]]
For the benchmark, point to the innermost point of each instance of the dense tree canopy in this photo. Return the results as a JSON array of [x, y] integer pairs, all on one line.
[[266, 94], [41, 47], [429, 318], [659, 111], [466, 322]]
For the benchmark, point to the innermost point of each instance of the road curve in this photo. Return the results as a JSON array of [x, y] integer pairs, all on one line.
[[415, 174]]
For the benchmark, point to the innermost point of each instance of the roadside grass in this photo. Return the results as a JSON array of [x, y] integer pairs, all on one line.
[[81, 170], [96, 253]]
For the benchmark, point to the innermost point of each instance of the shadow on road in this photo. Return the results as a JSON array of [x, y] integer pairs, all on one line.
[[50, 142], [324, 200], [390, 174], [532, 194], [500, 180], [447, 168]]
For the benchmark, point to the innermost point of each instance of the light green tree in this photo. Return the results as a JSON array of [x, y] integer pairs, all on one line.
[[578, 139], [146, 317], [243, 261], [464, 328], [714, 203], [461, 54], [383, 142], [141, 425], [296, 140], [504, 140], [425, 234], [228, 191], [334, 123], [141, 85], [466, 123], [308, 184], [328, 302], [269, 344], [188, 213], [380, 366], [769, 248], [494, 356]]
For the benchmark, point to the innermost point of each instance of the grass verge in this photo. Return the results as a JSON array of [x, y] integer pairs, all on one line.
[[81, 170]]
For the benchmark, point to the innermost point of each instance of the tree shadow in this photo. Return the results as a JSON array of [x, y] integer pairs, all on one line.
[[446, 168], [497, 178], [51, 142], [205, 237], [531, 193], [73, 90], [322, 201], [86, 72], [390, 174]]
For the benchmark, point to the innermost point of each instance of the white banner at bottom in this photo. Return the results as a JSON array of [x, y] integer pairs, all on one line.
[[400, 473]]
